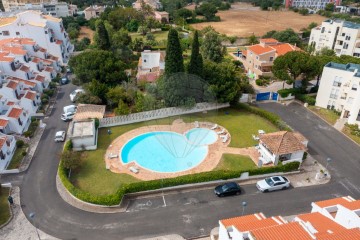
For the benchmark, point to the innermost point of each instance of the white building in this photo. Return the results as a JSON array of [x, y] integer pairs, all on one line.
[[19, 119], [48, 32], [151, 65], [340, 90], [332, 219], [312, 4], [341, 36], [52, 7], [7, 149], [93, 11], [83, 135], [282, 147]]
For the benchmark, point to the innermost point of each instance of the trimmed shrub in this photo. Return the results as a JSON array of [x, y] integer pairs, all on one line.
[[304, 156], [263, 81], [97, 123], [285, 92], [19, 143], [23, 153], [271, 117], [306, 99], [28, 134], [68, 146]]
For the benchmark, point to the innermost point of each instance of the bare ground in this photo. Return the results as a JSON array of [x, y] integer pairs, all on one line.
[[86, 32], [243, 19]]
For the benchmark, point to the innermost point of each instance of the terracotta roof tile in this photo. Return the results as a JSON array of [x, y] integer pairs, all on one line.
[[36, 60], [26, 82], [15, 112], [12, 84], [348, 234], [333, 202], [10, 103], [3, 122], [24, 68], [282, 142], [149, 77], [284, 48], [7, 20], [2, 141], [242, 219], [49, 69], [59, 42], [269, 40], [289, 231], [86, 111], [40, 78], [245, 226], [321, 223], [258, 49], [30, 95], [355, 205]]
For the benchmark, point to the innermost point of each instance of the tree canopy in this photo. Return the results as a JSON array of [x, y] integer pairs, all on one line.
[[173, 60], [211, 47], [102, 38], [196, 61], [287, 36]]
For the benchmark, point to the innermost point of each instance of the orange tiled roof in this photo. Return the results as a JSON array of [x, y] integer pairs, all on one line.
[[355, 205], [282, 142], [15, 112], [86, 111], [26, 82], [321, 223], [245, 226], [287, 231], [30, 95], [2, 141], [333, 202], [40, 78], [258, 49], [12, 84], [10, 103], [24, 68], [17, 50], [59, 42], [282, 49], [4, 58], [242, 219], [36, 60], [348, 234], [269, 40], [3, 122], [49, 69]]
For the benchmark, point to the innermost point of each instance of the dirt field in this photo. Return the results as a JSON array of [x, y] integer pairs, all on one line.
[[86, 32], [243, 19]]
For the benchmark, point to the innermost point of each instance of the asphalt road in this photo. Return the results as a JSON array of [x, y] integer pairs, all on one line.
[[189, 214]]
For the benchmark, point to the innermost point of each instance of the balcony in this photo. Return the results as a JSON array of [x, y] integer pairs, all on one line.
[[333, 96], [337, 84], [36, 47]]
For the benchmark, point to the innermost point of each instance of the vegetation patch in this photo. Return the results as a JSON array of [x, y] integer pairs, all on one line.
[[328, 115], [4, 205], [352, 131], [19, 154], [234, 162]]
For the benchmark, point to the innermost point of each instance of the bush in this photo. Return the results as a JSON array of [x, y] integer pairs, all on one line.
[[306, 99], [23, 153], [271, 117], [262, 81], [113, 199], [44, 100], [304, 11], [49, 92], [354, 129], [68, 146], [304, 156], [19, 143], [97, 123], [285, 92], [28, 134]]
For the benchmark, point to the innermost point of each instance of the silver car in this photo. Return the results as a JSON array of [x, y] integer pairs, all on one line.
[[273, 183]]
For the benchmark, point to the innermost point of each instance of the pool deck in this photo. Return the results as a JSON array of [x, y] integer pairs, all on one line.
[[216, 150]]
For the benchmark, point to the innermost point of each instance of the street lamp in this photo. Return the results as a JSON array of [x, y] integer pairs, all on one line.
[[328, 160], [244, 204], [32, 216]]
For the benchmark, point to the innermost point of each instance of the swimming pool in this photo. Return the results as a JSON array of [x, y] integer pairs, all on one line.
[[168, 152]]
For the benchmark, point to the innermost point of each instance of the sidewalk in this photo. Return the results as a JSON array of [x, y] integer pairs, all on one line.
[[19, 227]]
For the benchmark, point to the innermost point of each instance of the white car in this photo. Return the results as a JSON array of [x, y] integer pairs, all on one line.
[[67, 116], [273, 183], [74, 94], [60, 136]]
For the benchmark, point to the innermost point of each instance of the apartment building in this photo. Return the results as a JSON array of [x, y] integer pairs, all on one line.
[[7, 149], [155, 4], [312, 4], [52, 7], [341, 36], [332, 219], [46, 31], [340, 90], [258, 59]]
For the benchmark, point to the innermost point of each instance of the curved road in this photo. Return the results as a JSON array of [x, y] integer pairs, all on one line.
[[189, 214]]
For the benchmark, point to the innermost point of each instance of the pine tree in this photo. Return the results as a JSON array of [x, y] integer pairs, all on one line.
[[174, 60], [196, 61], [102, 39]]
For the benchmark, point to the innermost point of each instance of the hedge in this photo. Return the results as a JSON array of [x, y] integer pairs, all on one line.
[[306, 99], [114, 199], [271, 117], [285, 92]]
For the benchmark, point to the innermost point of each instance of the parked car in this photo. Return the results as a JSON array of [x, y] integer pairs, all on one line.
[[60, 136], [75, 93], [273, 183], [67, 116], [230, 188], [70, 108], [68, 70], [64, 80]]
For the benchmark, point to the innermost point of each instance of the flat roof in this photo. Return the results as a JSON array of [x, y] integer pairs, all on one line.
[[83, 129]]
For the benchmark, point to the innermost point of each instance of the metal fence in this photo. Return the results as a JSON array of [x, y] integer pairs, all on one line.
[[159, 113]]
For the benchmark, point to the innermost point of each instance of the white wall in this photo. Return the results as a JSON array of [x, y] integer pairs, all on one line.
[[223, 233], [347, 218]]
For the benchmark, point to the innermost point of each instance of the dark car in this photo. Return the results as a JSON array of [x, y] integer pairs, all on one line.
[[230, 188]]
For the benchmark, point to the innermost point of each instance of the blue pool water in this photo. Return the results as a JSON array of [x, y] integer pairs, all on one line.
[[201, 136], [168, 151]]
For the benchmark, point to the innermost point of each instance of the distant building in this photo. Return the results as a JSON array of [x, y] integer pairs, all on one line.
[[7, 149], [48, 7], [93, 11], [341, 36], [312, 4], [340, 90], [48, 32], [258, 59], [161, 16], [155, 4], [151, 65]]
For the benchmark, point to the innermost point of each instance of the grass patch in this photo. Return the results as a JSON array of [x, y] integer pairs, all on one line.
[[17, 158], [95, 179], [4, 205], [347, 131], [159, 35], [234, 162], [328, 115]]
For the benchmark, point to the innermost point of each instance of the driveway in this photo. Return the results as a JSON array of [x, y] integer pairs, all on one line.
[[188, 214]]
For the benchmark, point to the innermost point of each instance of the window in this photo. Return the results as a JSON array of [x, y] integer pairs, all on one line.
[[322, 29], [354, 87], [257, 57], [343, 34], [5, 33], [271, 59], [17, 33], [337, 81]]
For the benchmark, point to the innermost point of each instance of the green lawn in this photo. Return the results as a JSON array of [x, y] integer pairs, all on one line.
[[329, 115], [17, 158], [235, 163], [4, 206], [94, 178], [347, 131], [159, 35]]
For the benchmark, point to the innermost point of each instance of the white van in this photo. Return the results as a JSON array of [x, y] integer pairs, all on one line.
[[67, 116], [70, 108]]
